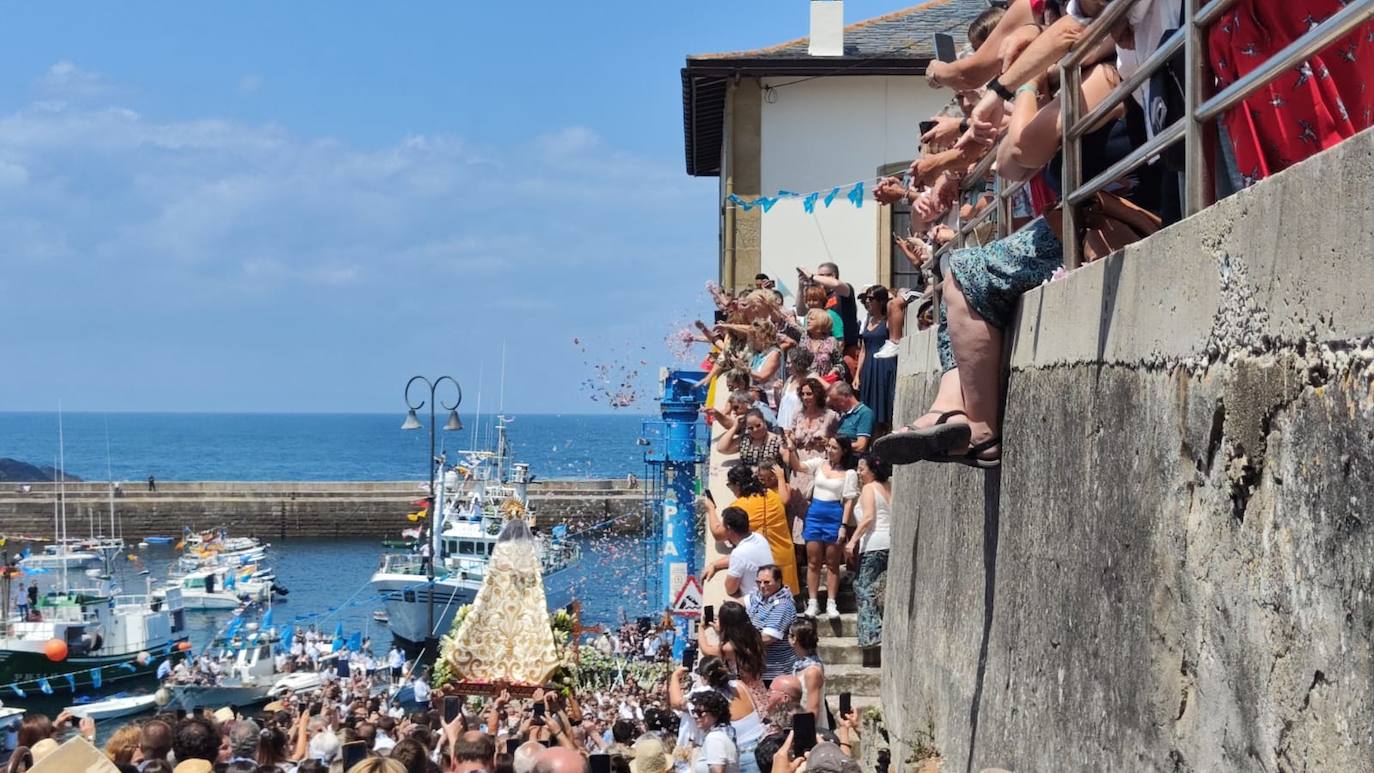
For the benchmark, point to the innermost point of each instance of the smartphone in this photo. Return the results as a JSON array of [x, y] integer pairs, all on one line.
[[689, 657], [803, 733], [353, 753], [537, 709], [846, 704], [926, 126], [944, 47], [708, 614], [453, 706], [511, 745], [710, 496], [600, 763]]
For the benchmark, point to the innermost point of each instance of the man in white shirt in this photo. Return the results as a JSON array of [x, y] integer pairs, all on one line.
[[397, 662], [751, 551]]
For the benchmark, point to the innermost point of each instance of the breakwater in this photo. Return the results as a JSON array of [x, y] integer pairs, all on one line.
[[296, 509]]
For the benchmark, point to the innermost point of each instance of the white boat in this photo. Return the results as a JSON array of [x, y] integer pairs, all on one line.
[[10, 720], [114, 707], [477, 499], [214, 589], [59, 557], [300, 681]]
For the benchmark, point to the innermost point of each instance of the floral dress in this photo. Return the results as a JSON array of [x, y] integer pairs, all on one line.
[[810, 433], [1313, 106], [826, 354]]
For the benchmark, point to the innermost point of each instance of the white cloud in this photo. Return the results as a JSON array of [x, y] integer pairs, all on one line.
[[64, 80]]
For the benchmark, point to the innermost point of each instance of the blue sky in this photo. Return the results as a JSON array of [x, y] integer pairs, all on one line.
[[296, 206]]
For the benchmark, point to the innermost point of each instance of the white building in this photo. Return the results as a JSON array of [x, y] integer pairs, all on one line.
[[792, 118]]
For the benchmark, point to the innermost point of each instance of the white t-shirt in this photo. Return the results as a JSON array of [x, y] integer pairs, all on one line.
[[751, 553], [716, 749], [1149, 20]]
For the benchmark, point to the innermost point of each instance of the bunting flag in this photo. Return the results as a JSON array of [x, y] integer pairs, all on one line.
[[809, 203], [229, 580], [130, 667], [413, 517], [18, 691], [766, 202], [410, 533], [355, 642], [420, 503], [856, 194], [830, 197], [267, 619], [96, 678], [44, 687], [71, 682]]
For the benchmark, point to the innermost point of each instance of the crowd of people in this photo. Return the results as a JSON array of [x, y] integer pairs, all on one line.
[[663, 717]]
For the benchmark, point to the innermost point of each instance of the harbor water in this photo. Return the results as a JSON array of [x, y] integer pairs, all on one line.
[[328, 583]]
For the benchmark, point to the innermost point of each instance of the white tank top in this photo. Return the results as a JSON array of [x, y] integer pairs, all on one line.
[[877, 538]]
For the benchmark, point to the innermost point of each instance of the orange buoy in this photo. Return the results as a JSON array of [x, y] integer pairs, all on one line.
[[56, 650], [183, 645]]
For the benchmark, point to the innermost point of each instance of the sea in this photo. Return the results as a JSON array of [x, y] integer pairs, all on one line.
[[309, 446], [328, 579]]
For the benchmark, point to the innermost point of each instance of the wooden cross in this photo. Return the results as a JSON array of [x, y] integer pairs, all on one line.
[[577, 629]]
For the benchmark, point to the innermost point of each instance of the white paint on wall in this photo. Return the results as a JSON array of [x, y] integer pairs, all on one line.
[[831, 131]]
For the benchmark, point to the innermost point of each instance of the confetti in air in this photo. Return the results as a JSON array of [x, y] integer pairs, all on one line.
[[615, 382]]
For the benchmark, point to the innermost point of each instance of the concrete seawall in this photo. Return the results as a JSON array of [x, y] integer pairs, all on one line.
[[278, 509], [1173, 568]]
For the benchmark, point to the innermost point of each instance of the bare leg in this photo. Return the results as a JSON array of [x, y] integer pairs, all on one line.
[[949, 397], [978, 349], [815, 556], [833, 554]]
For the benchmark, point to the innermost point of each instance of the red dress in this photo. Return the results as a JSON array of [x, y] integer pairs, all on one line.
[[1313, 107]]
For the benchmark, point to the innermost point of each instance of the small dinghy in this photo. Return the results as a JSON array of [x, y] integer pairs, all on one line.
[[118, 706]]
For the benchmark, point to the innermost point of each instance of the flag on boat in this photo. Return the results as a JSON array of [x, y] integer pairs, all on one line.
[[411, 533], [267, 619], [420, 503], [355, 642], [413, 517], [18, 691], [95, 678], [71, 682], [44, 687]]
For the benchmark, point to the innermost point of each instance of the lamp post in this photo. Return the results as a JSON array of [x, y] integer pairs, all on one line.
[[413, 422]]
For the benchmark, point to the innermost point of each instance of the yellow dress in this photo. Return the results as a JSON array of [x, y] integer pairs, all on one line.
[[505, 636], [768, 517]]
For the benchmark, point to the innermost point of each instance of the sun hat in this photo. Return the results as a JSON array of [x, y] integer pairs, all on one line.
[[649, 756]]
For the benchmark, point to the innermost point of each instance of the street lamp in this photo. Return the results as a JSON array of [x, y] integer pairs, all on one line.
[[413, 422]]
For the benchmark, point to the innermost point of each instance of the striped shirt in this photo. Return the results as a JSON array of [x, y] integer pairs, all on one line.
[[773, 617]]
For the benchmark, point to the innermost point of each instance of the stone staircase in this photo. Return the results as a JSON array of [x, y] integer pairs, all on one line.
[[839, 649]]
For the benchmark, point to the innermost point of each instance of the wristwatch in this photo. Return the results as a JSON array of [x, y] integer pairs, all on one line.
[[1002, 91]]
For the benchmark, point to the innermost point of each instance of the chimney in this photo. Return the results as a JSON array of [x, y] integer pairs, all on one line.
[[827, 28]]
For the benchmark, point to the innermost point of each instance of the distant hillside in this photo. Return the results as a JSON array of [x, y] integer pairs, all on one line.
[[15, 471]]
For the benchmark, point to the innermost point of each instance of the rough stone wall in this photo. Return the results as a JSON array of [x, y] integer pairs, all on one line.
[[1173, 568]]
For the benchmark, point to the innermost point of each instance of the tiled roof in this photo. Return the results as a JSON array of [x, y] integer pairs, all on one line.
[[904, 34], [898, 43]]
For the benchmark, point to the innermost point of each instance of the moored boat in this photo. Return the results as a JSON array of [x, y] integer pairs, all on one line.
[[116, 706]]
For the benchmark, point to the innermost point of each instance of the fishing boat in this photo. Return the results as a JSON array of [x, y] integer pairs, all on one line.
[[476, 498], [115, 706], [77, 637], [216, 589], [58, 557], [84, 638], [159, 540]]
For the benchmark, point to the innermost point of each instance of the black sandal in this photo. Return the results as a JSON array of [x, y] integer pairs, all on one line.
[[973, 456], [918, 445]]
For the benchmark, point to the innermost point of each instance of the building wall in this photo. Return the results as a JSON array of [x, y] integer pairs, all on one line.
[[825, 132], [1171, 570]]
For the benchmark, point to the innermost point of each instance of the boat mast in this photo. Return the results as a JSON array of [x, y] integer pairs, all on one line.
[[62, 492], [501, 422], [109, 473]]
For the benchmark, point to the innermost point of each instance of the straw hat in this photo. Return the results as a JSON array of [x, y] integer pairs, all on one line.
[[193, 766], [42, 749], [649, 756]]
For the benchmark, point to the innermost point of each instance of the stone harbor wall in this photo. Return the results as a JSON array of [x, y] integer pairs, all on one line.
[[285, 509], [1174, 567]]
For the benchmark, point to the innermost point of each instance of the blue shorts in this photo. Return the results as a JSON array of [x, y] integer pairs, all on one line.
[[823, 520]]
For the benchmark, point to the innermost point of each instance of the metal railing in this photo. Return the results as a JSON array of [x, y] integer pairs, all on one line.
[[1196, 128]]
